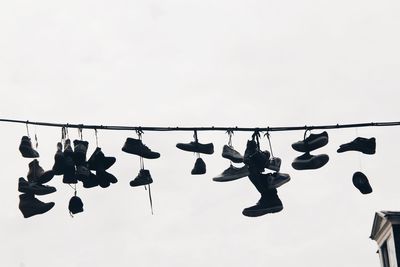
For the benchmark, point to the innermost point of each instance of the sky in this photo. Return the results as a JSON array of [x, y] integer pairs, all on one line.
[[200, 63]]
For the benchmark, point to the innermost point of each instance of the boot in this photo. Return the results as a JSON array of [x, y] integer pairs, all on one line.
[[75, 205], [105, 178], [80, 149], [68, 151], [34, 188], [59, 161], [199, 167], [98, 161], [69, 171], [269, 201], [37, 174], [91, 181], [26, 148], [31, 206], [82, 173]]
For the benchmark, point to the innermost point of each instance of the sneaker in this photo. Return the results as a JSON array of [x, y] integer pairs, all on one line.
[[274, 164], [361, 182], [310, 162], [80, 149], [197, 147], [26, 148], [75, 205], [269, 203], [136, 147], [143, 178], [59, 159], [34, 188], [361, 144], [98, 161], [277, 179], [37, 174], [312, 142], [229, 153], [199, 167], [254, 158], [231, 174], [31, 206]]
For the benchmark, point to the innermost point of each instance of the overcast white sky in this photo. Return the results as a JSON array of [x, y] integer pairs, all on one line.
[[200, 63]]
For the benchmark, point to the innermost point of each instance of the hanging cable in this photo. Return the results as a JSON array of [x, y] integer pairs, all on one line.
[[212, 128]]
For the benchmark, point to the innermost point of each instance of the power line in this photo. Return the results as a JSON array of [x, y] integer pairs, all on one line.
[[212, 128]]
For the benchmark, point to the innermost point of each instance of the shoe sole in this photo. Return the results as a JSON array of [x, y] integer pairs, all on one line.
[[229, 178], [282, 182], [314, 163], [262, 212]]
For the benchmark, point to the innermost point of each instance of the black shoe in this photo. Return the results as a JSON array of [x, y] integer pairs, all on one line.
[[361, 182], [361, 144], [199, 167], [197, 147], [26, 148], [277, 179], [143, 178], [312, 142], [34, 188], [232, 173], [59, 161], [37, 174], [75, 205], [91, 181], [98, 161], [31, 206], [80, 149], [255, 158], [69, 171], [230, 153], [82, 173], [310, 162], [105, 178], [68, 151], [268, 203], [136, 147]]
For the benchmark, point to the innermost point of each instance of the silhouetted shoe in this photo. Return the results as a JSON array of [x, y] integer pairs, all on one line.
[[230, 153], [75, 205], [98, 161], [26, 149], [82, 173], [197, 147], [105, 178], [31, 206], [199, 167], [143, 178], [68, 151], [254, 158], [232, 173], [80, 149], [59, 159], [91, 181], [69, 171], [361, 144], [277, 179], [274, 164], [312, 142], [136, 147], [37, 174], [267, 204], [34, 188], [361, 182], [310, 162]]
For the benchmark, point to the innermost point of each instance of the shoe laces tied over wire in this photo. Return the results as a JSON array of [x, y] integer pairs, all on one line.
[[140, 132], [256, 137], [268, 135]]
